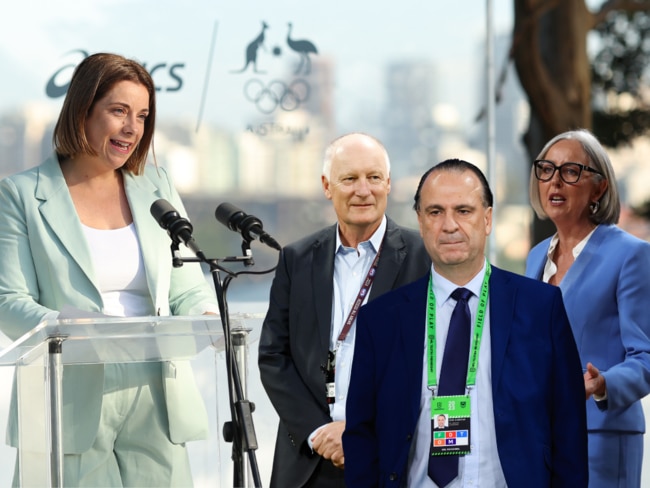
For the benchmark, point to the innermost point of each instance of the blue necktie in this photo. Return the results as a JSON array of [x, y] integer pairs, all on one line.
[[453, 378]]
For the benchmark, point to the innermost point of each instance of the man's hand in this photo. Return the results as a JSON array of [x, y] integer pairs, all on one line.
[[328, 442]]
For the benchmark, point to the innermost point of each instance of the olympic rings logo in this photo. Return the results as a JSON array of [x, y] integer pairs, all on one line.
[[276, 94]]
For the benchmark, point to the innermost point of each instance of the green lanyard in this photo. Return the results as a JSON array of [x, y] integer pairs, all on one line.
[[432, 380]]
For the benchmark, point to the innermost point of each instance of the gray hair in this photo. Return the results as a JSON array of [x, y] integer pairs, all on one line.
[[333, 146], [610, 204]]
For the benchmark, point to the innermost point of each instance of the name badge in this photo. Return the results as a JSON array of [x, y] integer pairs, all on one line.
[[450, 425], [329, 372]]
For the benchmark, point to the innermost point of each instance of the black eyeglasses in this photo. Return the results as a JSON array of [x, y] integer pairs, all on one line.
[[569, 172]]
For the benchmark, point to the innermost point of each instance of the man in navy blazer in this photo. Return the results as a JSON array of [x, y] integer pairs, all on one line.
[[527, 420]]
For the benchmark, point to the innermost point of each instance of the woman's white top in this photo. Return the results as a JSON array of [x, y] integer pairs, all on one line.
[[119, 271]]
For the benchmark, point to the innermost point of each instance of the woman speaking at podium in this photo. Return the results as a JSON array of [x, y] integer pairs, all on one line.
[[76, 231]]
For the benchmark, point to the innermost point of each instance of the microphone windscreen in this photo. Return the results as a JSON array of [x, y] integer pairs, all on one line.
[[160, 208], [225, 212]]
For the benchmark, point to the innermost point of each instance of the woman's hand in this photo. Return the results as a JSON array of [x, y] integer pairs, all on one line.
[[594, 382]]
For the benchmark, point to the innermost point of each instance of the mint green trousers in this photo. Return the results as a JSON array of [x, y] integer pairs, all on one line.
[[132, 447]]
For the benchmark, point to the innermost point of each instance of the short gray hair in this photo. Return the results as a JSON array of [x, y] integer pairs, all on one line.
[[610, 205]]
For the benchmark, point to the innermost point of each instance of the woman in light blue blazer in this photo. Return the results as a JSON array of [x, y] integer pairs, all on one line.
[[77, 231], [604, 275]]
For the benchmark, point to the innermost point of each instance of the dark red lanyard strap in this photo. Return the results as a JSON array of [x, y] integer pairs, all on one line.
[[363, 291]]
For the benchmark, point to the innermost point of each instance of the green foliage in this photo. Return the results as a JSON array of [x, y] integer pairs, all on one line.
[[621, 67], [643, 210], [615, 129], [621, 64]]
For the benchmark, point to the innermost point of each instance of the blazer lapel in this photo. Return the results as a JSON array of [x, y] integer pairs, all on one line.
[[502, 297], [412, 318], [537, 262], [141, 193], [574, 275], [322, 279], [393, 254], [58, 211]]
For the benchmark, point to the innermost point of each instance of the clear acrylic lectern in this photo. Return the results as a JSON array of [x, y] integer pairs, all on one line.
[[40, 357]]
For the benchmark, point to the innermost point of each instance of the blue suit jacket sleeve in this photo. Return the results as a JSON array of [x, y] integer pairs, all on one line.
[[538, 388], [605, 293], [385, 387]]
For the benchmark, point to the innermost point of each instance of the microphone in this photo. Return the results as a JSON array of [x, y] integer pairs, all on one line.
[[249, 226], [178, 228]]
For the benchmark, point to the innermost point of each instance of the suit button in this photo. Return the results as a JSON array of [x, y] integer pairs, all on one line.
[[409, 437], [393, 476]]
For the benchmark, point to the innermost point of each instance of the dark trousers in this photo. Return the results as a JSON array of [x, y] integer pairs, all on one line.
[[326, 476]]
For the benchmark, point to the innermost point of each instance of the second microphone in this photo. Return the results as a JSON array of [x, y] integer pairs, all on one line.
[[249, 226]]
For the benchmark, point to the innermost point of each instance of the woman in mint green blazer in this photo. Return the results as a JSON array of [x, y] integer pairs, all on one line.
[[123, 425]]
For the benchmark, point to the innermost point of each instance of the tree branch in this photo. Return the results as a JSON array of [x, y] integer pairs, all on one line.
[[532, 18]]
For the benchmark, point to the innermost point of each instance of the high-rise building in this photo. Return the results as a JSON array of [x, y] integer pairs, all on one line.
[[408, 129]]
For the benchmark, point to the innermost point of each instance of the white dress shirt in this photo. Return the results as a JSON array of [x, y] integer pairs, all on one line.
[[350, 269], [482, 466], [550, 268]]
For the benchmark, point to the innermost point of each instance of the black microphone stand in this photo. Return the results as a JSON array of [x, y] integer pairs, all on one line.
[[240, 430]]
